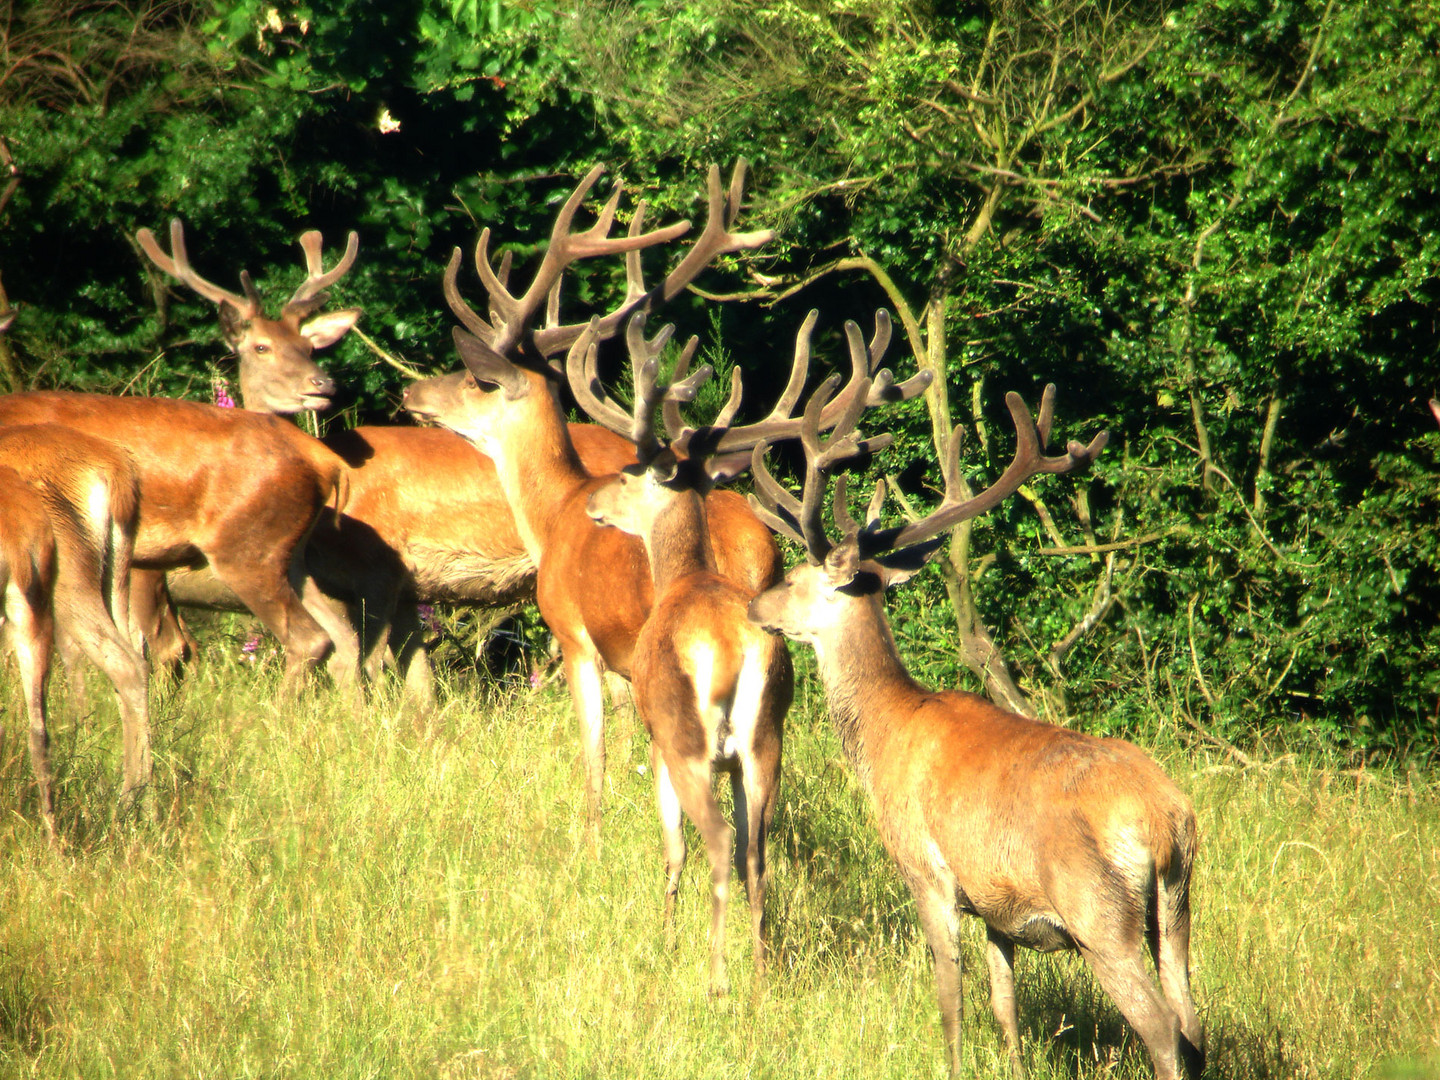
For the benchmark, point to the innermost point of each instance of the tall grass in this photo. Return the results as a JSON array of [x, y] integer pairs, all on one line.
[[317, 894]]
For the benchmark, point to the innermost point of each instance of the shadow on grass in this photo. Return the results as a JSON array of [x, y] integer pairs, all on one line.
[[1068, 1021]]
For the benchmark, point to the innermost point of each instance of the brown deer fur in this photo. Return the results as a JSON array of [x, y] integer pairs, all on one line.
[[1056, 839], [595, 617], [71, 565], [237, 490], [711, 689]]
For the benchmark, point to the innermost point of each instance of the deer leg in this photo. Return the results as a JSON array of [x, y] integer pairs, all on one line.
[[672, 834], [1172, 961], [87, 619], [412, 660], [587, 691], [754, 789], [265, 590], [939, 919], [1120, 967], [72, 659], [691, 780], [155, 620], [32, 635], [344, 662], [1000, 953]]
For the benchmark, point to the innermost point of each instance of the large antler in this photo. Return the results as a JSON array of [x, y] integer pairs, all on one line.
[[508, 332], [317, 279], [722, 437], [177, 265], [802, 519]]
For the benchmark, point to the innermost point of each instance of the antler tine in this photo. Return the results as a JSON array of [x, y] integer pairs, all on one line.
[[716, 239], [877, 502], [1029, 460], [461, 310], [675, 424], [773, 505], [781, 423], [513, 314], [317, 279], [840, 507], [177, 265], [1047, 414]]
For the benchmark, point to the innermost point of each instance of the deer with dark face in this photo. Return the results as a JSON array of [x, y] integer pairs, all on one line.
[[505, 402], [67, 533], [1055, 839]]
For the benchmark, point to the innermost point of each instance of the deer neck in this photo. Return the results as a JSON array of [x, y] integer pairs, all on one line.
[[678, 540], [538, 469], [865, 680]]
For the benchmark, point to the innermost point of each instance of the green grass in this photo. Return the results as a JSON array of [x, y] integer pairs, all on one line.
[[320, 895]]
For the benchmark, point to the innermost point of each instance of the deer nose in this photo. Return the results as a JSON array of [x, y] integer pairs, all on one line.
[[323, 384]]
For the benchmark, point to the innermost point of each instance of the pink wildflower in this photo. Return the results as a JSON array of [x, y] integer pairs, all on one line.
[[222, 395]]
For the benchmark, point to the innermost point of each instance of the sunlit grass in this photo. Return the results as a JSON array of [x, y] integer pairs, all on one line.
[[318, 894]]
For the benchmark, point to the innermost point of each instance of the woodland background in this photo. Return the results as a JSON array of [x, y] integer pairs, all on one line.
[[1213, 224]]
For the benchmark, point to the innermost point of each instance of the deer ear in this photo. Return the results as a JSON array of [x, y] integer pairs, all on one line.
[[325, 330], [232, 322], [898, 567], [664, 466], [727, 467], [842, 564], [489, 366]]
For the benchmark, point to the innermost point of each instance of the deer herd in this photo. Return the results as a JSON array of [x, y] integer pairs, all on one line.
[[113, 510]]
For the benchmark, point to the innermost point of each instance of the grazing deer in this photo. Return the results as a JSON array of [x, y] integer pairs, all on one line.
[[1056, 839], [235, 490], [505, 403], [67, 534]]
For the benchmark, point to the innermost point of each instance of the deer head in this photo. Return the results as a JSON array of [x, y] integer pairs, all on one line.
[[276, 372], [869, 558], [509, 359], [691, 459]]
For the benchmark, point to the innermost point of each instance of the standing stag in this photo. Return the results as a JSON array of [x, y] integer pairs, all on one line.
[[506, 403], [68, 506], [1056, 839], [711, 687], [235, 490]]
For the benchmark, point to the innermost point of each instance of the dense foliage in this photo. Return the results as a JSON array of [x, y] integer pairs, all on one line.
[[1213, 224]]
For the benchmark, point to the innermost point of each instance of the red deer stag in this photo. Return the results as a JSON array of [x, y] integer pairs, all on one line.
[[506, 404], [1056, 839], [277, 376], [235, 490], [66, 538], [712, 688]]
